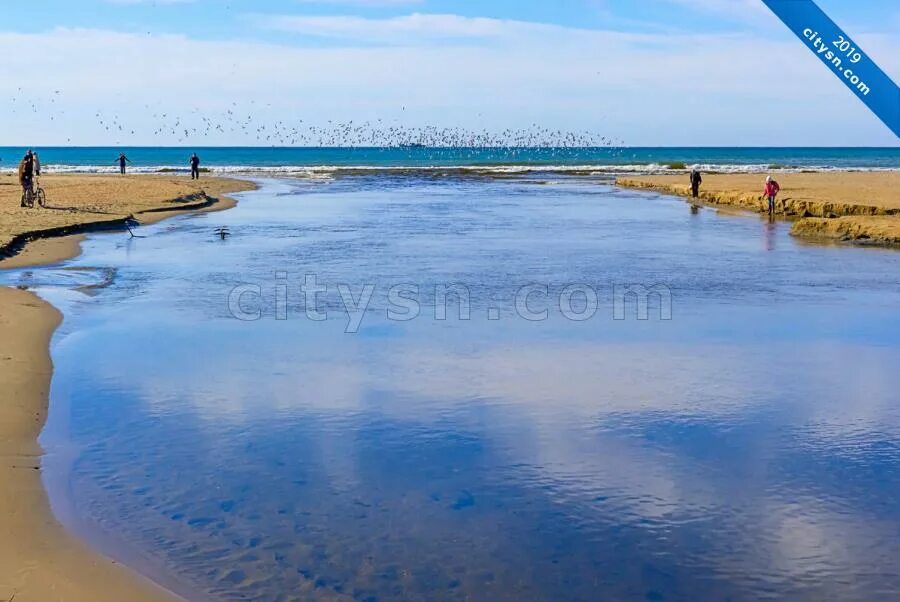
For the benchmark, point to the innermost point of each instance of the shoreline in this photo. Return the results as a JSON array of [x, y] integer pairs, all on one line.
[[40, 559], [861, 208]]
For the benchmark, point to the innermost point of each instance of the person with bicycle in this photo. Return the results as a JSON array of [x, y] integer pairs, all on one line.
[[26, 177]]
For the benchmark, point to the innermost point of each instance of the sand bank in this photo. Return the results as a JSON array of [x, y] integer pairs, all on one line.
[[85, 203], [859, 207], [39, 560]]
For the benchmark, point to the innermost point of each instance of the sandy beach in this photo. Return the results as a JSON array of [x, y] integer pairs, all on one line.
[[39, 560], [858, 207]]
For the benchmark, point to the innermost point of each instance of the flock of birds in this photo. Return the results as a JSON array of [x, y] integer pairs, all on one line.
[[249, 125]]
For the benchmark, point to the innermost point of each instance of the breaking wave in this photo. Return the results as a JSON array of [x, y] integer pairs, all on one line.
[[333, 171]]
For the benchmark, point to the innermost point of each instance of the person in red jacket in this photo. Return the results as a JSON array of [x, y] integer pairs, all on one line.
[[771, 191]]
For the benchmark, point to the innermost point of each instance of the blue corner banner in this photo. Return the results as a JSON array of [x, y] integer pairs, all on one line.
[[843, 56]]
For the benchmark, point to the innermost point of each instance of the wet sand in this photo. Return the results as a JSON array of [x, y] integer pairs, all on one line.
[[858, 207], [39, 560]]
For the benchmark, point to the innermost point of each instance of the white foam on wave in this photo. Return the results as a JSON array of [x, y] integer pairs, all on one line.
[[319, 172]]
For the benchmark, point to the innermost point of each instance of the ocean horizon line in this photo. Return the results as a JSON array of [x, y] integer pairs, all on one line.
[[430, 147]]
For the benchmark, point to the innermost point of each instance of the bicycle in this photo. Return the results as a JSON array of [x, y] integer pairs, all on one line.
[[35, 192]]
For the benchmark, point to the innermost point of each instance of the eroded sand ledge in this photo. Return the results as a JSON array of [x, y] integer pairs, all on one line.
[[857, 207], [39, 560]]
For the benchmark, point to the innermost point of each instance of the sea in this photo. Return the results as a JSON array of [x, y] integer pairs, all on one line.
[[326, 162]]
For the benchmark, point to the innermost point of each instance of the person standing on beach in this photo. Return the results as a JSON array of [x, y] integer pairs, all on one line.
[[122, 160], [37, 164], [771, 191], [696, 180], [195, 167]]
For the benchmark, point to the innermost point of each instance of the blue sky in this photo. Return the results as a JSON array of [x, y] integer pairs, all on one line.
[[649, 72]]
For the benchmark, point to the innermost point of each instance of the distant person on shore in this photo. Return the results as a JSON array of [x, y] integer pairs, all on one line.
[[696, 180], [37, 164], [771, 191], [122, 161], [195, 167], [26, 173]]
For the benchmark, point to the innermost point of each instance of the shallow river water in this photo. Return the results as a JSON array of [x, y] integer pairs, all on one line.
[[742, 442]]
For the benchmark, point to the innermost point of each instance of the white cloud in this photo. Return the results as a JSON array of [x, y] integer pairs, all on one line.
[[362, 2], [415, 28], [422, 28], [473, 72], [149, 1], [735, 9]]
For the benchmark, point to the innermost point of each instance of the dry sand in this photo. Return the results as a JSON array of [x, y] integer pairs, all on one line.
[[859, 207], [39, 560]]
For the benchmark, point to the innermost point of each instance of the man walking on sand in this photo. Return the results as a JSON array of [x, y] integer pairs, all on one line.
[[195, 167], [696, 180], [122, 160], [771, 191]]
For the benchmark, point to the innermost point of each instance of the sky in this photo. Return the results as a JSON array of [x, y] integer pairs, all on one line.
[[646, 72]]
